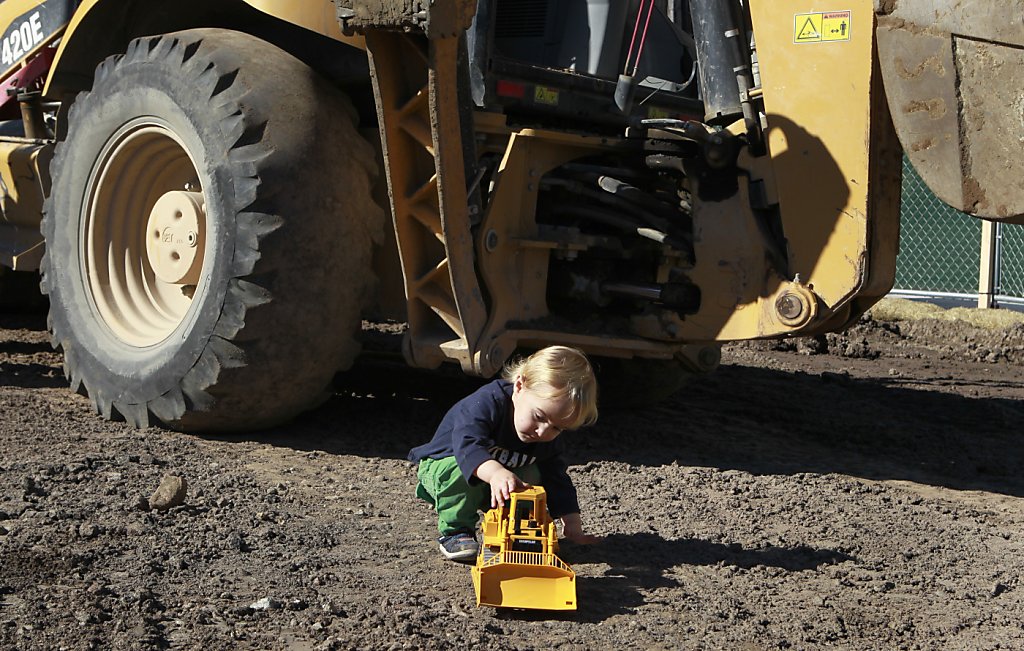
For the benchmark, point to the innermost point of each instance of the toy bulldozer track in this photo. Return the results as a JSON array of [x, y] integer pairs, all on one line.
[[518, 566]]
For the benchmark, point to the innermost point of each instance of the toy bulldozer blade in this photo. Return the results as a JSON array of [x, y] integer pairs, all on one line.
[[525, 580], [518, 566]]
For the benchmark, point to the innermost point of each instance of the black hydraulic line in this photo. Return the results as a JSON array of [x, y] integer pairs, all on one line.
[[610, 200], [720, 147], [688, 129], [616, 186], [684, 297], [637, 196], [609, 218], [647, 291], [621, 172]]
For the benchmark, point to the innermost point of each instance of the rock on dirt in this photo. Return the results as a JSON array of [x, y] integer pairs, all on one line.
[[170, 493], [862, 491]]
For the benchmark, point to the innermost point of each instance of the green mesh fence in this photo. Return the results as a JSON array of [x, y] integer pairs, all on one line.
[[1010, 278], [940, 248]]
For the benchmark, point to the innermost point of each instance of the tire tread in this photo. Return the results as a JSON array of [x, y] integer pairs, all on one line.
[[247, 363]]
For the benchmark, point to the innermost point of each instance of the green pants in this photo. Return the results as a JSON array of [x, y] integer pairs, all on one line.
[[456, 502]]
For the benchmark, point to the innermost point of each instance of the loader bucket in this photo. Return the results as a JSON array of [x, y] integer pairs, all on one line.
[[953, 73], [525, 580]]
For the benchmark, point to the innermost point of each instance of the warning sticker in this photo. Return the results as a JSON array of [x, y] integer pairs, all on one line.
[[821, 27], [544, 95]]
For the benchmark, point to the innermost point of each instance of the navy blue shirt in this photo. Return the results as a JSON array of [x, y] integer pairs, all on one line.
[[480, 427]]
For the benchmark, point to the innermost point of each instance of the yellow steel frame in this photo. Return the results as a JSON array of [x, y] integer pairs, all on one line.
[[819, 98], [417, 102], [833, 164]]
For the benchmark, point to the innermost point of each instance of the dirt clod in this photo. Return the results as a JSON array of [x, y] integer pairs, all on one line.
[[170, 493]]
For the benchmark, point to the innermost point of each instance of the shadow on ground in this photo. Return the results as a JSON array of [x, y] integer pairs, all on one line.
[[641, 563], [745, 418], [753, 419], [28, 365], [773, 422]]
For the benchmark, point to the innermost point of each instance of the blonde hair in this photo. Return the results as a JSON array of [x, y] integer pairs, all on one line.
[[556, 372]]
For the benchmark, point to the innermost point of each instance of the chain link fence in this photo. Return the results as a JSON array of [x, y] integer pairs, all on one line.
[[1010, 256], [941, 250]]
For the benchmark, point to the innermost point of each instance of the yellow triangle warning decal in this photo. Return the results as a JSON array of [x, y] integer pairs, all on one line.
[[808, 31], [822, 26]]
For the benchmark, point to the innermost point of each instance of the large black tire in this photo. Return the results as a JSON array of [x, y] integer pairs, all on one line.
[[253, 333]]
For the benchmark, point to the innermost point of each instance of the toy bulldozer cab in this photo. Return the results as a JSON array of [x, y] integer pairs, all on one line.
[[518, 566]]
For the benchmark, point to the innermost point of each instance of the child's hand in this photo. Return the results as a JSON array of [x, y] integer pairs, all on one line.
[[503, 481], [572, 529]]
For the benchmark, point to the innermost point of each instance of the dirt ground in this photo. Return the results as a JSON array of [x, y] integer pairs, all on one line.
[[860, 491]]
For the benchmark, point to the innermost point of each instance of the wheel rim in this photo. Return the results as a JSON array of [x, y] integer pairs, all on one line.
[[143, 276]]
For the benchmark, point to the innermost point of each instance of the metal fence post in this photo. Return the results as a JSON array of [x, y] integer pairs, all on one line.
[[989, 263]]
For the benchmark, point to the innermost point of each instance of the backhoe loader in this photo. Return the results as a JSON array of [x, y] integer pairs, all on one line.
[[217, 194]]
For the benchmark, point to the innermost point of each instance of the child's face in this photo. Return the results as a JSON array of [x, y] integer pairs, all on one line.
[[538, 419]]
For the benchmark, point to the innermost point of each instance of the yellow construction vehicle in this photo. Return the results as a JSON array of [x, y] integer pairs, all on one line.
[[224, 189], [518, 565]]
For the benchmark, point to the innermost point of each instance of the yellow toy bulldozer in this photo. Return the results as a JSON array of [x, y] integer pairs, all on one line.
[[518, 565]]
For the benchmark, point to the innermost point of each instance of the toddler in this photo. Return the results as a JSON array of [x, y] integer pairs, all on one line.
[[504, 437]]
